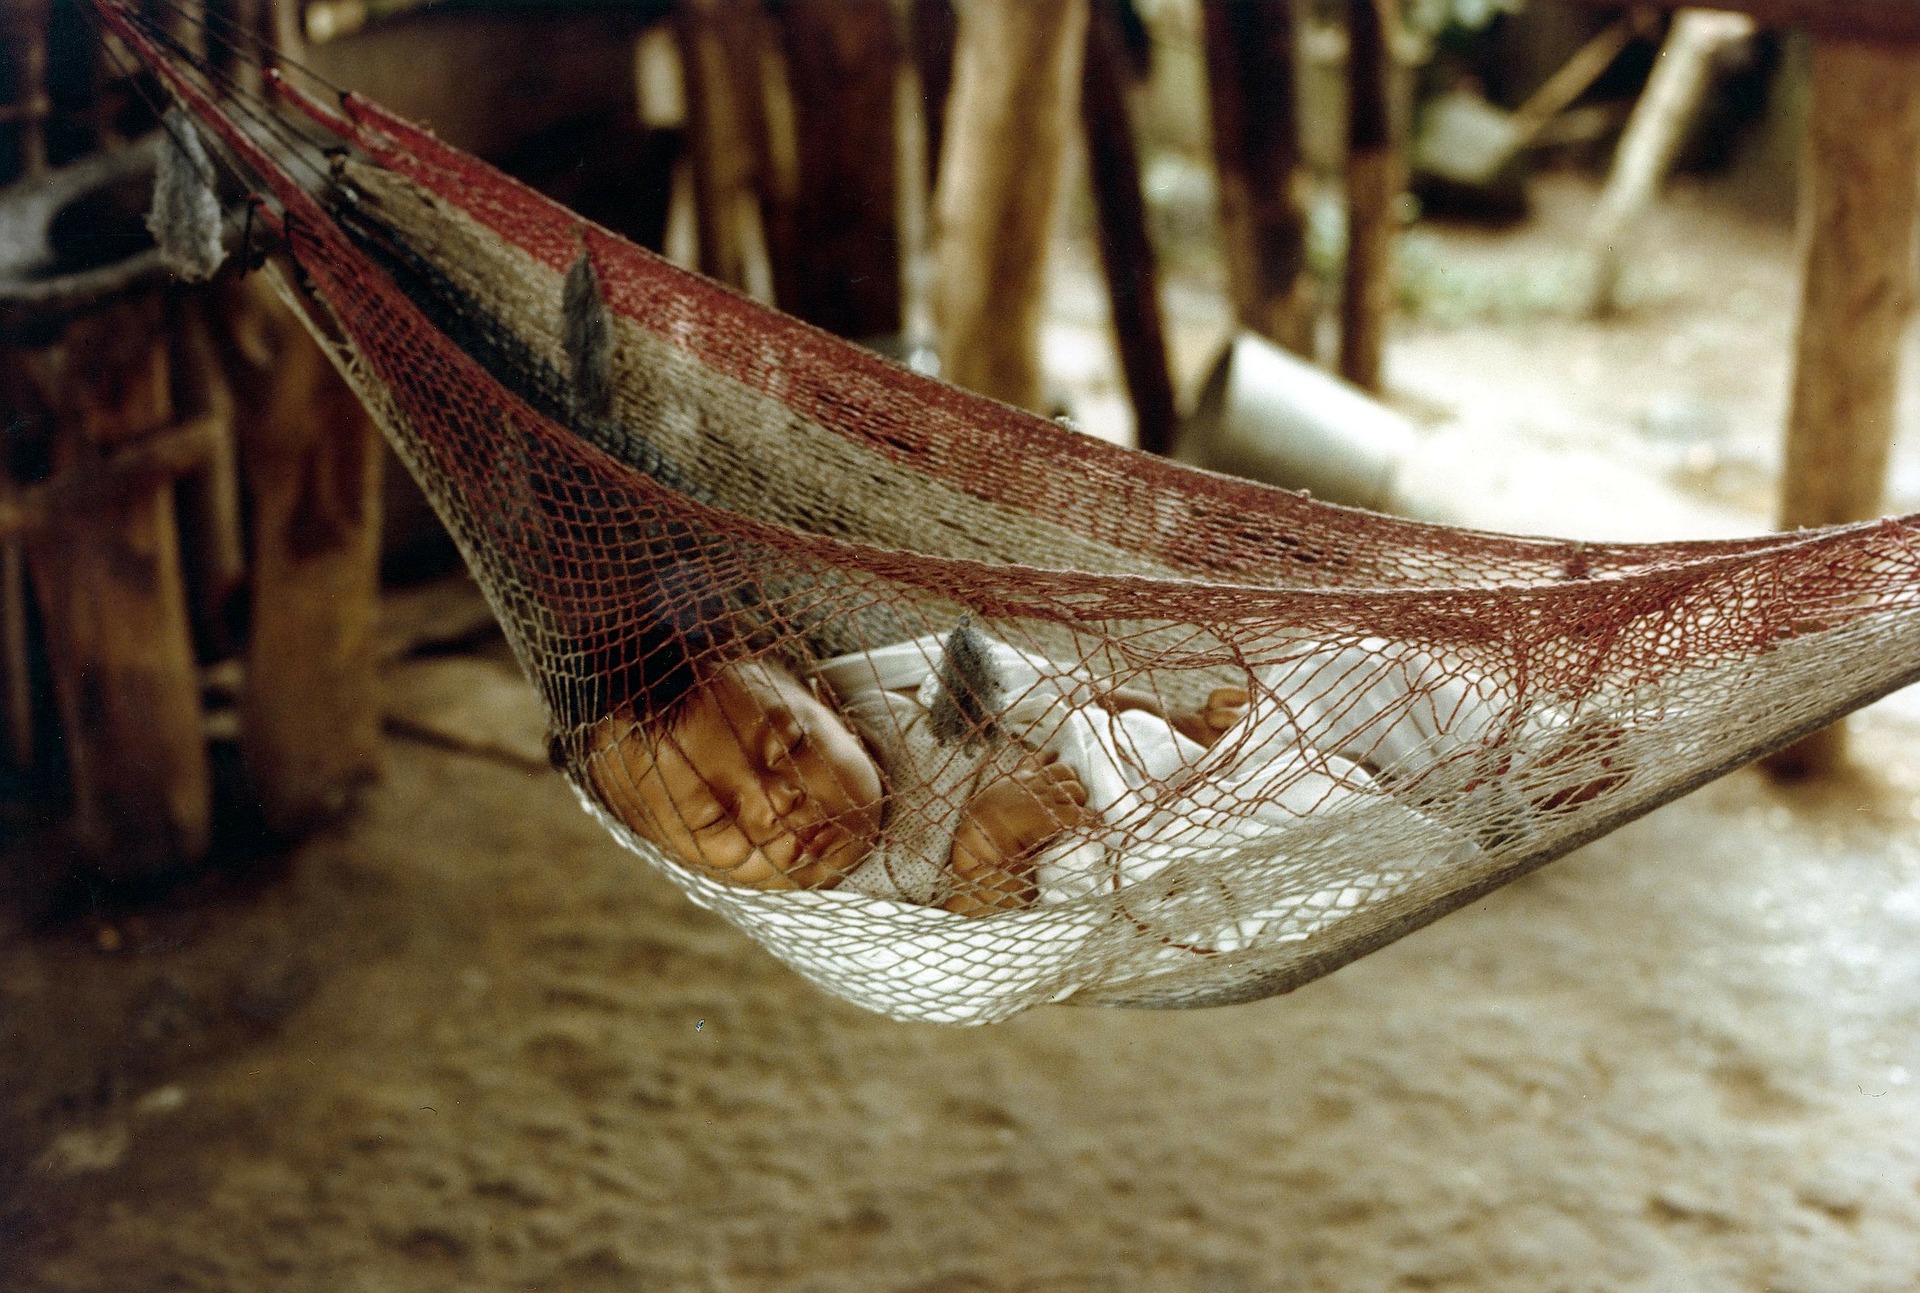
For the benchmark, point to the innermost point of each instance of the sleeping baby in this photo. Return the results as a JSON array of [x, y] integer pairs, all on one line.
[[969, 775]]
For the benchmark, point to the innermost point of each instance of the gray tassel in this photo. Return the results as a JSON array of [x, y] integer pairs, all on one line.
[[971, 689], [588, 339], [185, 217]]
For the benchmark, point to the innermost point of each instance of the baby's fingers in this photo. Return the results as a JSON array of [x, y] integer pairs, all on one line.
[[1226, 706]]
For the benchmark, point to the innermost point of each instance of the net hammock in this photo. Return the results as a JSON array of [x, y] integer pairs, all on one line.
[[881, 601]]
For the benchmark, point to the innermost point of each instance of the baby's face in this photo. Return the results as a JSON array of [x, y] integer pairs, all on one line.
[[760, 783]]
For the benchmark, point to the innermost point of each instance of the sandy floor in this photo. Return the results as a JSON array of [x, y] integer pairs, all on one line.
[[464, 1043]]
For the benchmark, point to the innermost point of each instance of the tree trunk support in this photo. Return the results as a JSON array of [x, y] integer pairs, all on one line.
[[840, 265], [1251, 72], [112, 597], [1133, 280], [1858, 217], [1016, 87], [1373, 192], [310, 716]]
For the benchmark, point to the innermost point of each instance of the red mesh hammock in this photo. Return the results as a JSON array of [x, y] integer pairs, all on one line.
[[666, 490]]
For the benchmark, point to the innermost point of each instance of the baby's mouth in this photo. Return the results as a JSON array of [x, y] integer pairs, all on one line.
[[812, 842]]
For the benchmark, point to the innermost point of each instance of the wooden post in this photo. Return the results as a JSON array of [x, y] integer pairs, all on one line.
[[23, 35], [1133, 280], [113, 601], [1373, 192], [838, 264], [1263, 177], [1653, 135], [932, 30], [1016, 83], [1858, 215], [212, 533], [720, 51], [310, 717]]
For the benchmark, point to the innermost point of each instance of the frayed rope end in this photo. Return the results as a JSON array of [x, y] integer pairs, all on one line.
[[587, 335], [185, 216]]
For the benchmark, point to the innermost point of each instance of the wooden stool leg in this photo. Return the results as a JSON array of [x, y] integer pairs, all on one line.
[[310, 718], [1858, 218], [114, 604], [1016, 87]]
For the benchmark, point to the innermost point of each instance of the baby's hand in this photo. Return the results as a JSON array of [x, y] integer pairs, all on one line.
[[1225, 706], [1005, 823]]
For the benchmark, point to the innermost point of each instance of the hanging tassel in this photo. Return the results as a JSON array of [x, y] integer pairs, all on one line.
[[971, 689], [185, 216], [588, 338]]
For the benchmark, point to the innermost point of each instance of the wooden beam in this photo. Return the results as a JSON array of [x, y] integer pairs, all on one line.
[[1133, 279], [1859, 211], [1871, 19]]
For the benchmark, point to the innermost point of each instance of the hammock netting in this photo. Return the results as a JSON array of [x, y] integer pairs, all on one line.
[[1429, 712]]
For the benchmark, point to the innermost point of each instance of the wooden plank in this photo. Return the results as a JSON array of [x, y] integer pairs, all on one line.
[[1251, 66], [1133, 279], [1857, 291], [1873, 19]]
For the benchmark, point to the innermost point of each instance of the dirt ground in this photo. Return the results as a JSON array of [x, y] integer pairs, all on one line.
[[464, 1042]]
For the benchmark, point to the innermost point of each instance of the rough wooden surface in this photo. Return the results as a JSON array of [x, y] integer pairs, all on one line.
[[1133, 278], [108, 580], [1373, 191], [1858, 219], [1016, 89], [1263, 176], [840, 267], [310, 717]]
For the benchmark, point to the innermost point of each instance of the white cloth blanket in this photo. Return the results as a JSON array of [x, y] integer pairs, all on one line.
[[1155, 796]]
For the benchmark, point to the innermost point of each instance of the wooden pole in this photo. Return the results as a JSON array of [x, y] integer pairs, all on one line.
[[1016, 84], [212, 531], [933, 29], [310, 717], [1133, 280], [1653, 135], [113, 601], [23, 34], [1859, 206], [720, 50], [839, 266], [1251, 62], [1373, 192]]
